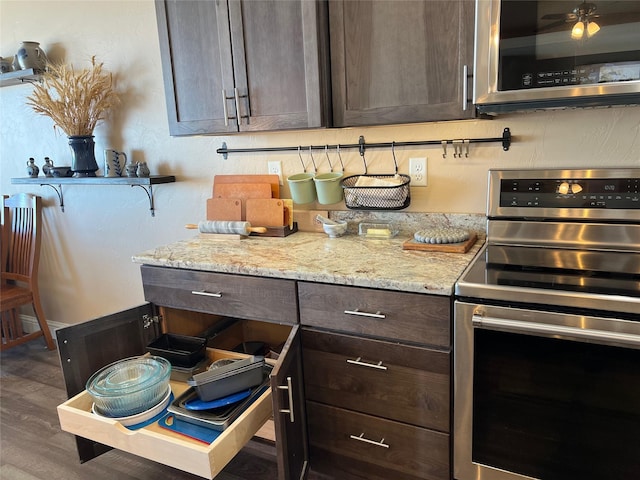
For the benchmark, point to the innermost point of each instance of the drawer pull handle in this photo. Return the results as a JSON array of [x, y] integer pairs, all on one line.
[[365, 314], [204, 293], [289, 390], [358, 361], [361, 438]]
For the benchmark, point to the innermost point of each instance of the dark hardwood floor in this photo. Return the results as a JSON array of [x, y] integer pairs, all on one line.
[[32, 446]]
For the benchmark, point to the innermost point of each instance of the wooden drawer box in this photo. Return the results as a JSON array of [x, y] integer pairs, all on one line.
[[86, 347], [163, 446], [399, 382], [408, 317], [374, 448], [266, 299]]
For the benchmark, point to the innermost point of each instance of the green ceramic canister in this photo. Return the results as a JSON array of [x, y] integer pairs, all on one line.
[[328, 187], [302, 188]]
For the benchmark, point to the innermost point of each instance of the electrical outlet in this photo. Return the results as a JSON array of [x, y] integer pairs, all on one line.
[[275, 168], [418, 171]]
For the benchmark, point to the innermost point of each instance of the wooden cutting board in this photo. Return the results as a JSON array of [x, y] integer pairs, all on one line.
[[267, 212], [462, 247], [224, 209], [272, 180], [242, 190]]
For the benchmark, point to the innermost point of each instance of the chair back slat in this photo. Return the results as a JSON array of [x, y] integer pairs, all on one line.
[[23, 249]]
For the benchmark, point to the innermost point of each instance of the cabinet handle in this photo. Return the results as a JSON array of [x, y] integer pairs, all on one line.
[[226, 110], [358, 361], [204, 293], [361, 438], [357, 312], [289, 389], [465, 87], [237, 97]]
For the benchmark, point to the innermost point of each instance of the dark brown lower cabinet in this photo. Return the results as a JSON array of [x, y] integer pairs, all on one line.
[[353, 445], [86, 347], [378, 402]]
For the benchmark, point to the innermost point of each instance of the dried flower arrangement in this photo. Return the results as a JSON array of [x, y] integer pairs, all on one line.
[[76, 100]]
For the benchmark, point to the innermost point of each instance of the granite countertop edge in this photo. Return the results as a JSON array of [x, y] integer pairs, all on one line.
[[350, 260]]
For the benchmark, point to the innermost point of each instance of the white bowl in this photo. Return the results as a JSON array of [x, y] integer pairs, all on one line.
[[138, 417], [335, 230]]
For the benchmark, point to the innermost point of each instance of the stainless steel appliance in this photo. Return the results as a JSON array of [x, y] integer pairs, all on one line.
[[555, 54], [547, 330]]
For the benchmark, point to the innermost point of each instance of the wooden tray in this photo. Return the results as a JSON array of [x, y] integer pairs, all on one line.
[[461, 247]]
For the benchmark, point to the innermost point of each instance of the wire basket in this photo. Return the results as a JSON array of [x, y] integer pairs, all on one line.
[[376, 197]]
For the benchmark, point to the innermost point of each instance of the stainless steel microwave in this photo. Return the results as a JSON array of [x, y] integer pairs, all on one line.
[[556, 54]]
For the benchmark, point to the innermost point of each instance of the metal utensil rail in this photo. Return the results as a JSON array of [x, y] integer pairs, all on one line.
[[458, 145]]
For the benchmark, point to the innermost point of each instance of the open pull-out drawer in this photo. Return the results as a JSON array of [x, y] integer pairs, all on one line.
[[164, 446], [86, 347]]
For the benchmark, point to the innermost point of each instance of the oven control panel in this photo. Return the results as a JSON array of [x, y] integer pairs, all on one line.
[[606, 193]]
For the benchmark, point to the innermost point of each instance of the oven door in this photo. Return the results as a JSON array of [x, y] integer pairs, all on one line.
[[528, 54], [545, 395]]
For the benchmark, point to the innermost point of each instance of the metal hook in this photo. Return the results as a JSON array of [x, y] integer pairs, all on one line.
[[393, 152], [340, 157], [457, 148], [315, 169], [444, 148], [304, 169], [466, 146], [326, 153]]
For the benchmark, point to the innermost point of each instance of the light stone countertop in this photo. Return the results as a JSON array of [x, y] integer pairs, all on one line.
[[347, 260]]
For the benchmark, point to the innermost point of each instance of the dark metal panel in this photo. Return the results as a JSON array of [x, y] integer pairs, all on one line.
[[86, 347]]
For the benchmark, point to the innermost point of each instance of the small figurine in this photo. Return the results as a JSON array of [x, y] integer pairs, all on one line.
[[46, 168], [143, 169], [32, 168], [131, 170]]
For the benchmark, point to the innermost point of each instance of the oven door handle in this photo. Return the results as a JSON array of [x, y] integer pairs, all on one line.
[[544, 329]]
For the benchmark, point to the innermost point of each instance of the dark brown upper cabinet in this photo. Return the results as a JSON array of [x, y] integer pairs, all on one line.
[[241, 65], [401, 61]]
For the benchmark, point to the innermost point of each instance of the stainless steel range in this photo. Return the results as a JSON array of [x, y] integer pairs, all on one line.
[[547, 330]]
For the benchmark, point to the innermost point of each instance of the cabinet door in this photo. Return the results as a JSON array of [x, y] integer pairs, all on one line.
[[279, 63], [195, 49], [289, 413], [86, 347], [400, 61]]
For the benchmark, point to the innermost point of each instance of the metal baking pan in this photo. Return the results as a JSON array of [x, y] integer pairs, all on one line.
[[227, 379], [218, 418]]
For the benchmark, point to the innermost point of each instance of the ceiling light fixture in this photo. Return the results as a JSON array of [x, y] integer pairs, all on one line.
[[577, 31], [585, 13]]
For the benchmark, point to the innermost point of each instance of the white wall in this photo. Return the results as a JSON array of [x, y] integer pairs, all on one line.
[[86, 268]]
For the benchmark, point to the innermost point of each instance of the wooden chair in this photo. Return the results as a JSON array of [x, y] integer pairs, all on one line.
[[21, 239]]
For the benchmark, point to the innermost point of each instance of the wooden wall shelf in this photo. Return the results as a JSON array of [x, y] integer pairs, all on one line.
[[146, 183]]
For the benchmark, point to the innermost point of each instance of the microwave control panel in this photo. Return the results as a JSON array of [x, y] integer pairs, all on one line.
[[583, 75]]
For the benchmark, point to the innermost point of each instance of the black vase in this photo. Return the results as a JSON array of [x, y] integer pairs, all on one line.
[[83, 157]]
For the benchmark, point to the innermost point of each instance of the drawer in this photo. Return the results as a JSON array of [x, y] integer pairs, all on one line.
[[283, 402], [266, 299], [163, 446], [408, 317], [374, 448], [405, 383]]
